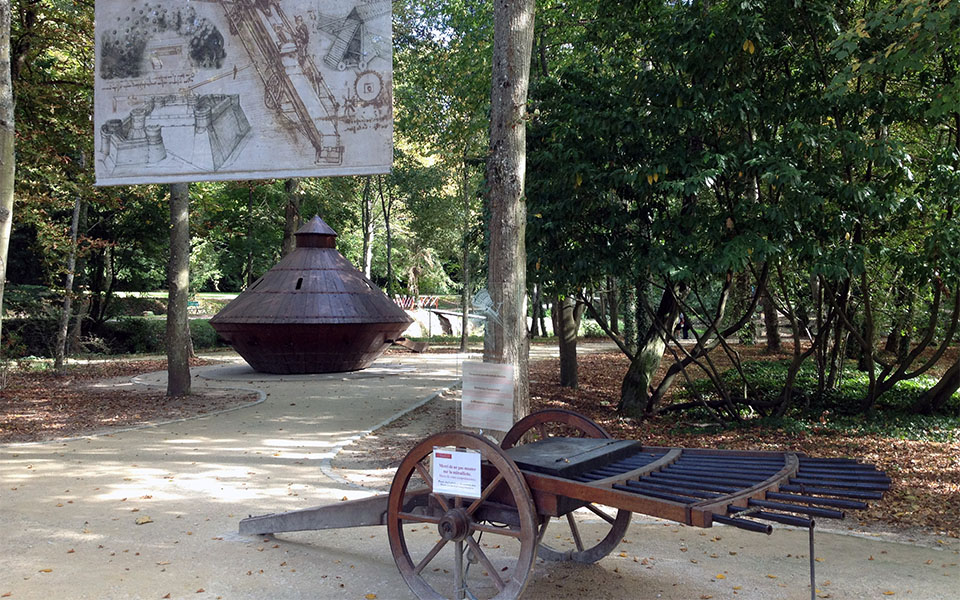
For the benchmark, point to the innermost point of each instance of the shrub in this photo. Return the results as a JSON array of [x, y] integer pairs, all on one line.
[[837, 408], [132, 306], [591, 329], [31, 336], [133, 335], [204, 335]]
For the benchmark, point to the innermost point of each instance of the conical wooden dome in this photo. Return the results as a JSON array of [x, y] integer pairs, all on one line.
[[313, 312]]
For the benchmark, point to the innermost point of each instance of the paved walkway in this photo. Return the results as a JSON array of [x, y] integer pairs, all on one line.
[[153, 513]]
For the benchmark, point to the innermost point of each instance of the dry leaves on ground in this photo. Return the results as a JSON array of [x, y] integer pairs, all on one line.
[[43, 406]]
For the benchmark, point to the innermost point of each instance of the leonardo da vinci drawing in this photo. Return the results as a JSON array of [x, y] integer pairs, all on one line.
[[202, 90]]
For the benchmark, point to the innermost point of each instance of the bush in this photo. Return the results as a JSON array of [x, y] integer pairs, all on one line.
[[591, 329], [204, 335], [26, 301], [132, 306], [29, 337], [134, 335]]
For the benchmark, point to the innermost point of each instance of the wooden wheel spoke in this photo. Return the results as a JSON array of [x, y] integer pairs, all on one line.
[[508, 531], [491, 570], [542, 431], [575, 531], [486, 493], [430, 556], [414, 518], [422, 471], [600, 513], [417, 556]]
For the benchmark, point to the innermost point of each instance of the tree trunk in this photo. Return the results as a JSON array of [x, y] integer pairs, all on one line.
[[937, 397], [543, 318], [387, 206], [291, 216], [178, 280], [535, 311], [898, 340], [629, 318], [249, 264], [635, 390], [506, 340], [465, 259], [81, 311], [613, 301], [7, 155], [61, 349], [366, 218], [771, 322], [566, 325]]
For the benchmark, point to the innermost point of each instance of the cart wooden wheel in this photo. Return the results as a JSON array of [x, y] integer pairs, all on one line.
[[567, 423], [485, 547]]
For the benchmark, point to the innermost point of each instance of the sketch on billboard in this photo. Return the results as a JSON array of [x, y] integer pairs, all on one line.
[[242, 89]]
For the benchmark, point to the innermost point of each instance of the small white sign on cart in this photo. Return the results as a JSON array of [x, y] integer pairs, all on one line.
[[487, 396], [456, 473]]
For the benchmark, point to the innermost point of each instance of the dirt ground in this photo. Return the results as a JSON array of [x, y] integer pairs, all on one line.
[[97, 397]]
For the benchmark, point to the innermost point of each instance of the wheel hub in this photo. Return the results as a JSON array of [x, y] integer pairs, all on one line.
[[454, 525]]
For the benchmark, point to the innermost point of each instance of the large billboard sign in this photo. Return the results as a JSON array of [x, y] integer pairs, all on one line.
[[202, 90]]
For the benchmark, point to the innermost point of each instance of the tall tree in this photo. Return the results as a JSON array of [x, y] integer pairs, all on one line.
[[506, 340], [178, 281], [367, 223], [291, 215], [60, 352], [7, 155]]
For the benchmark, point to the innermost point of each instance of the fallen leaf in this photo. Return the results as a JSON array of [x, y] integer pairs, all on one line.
[[721, 576], [370, 596], [771, 576], [143, 520], [889, 593], [46, 570]]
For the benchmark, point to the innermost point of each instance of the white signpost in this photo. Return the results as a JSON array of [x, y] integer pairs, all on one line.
[[456, 473], [242, 89], [487, 396]]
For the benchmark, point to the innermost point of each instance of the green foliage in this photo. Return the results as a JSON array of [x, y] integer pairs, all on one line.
[[203, 335], [836, 409], [144, 335], [27, 300], [26, 336], [134, 335], [590, 329]]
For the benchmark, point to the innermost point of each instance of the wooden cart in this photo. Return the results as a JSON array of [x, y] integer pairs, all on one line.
[[553, 463]]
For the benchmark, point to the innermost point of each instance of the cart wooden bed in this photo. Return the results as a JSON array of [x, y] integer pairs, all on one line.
[[554, 462]]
